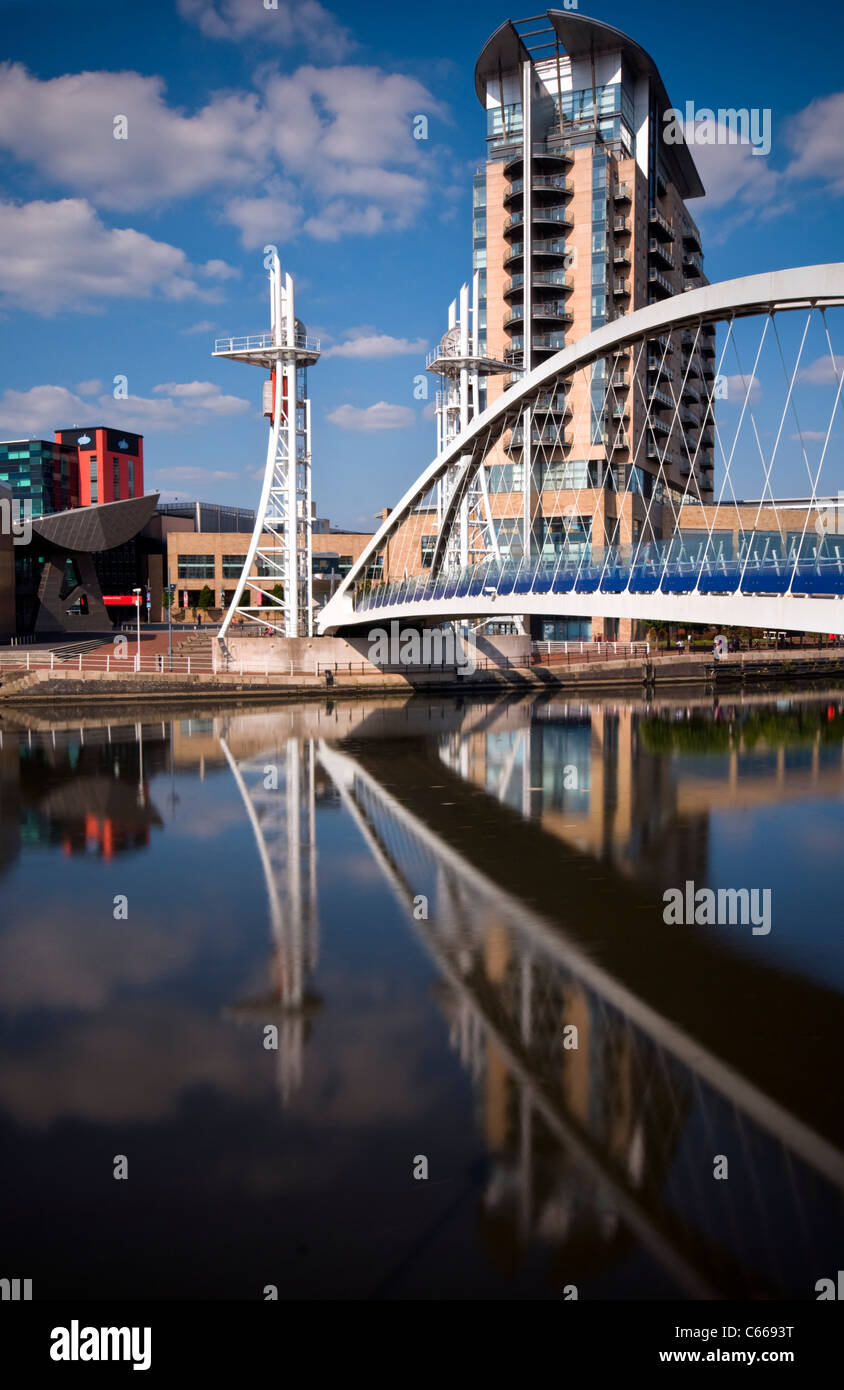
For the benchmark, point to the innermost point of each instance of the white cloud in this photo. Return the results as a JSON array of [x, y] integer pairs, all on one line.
[[202, 395], [175, 406], [809, 436], [285, 22], [219, 270], [380, 416], [737, 387], [266, 218], [203, 326], [327, 150], [56, 256], [821, 372], [89, 388], [814, 134], [367, 344], [65, 128]]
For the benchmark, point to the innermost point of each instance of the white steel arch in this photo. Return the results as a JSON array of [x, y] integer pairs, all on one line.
[[807, 287]]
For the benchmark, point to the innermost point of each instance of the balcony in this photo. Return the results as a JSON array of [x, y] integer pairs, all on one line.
[[661, 287], [560, 217], [619, 380], [621, 224], [622, 193], [619, 411], [546, 434], [656, 364], [555, 311], [707, 346], [541, 183], [661, 226], [551, 158], [653, 451], [516, 253], [690, 365], [621, 288], [551, 403], [540, 279], [512, 378], [548, 342], [621, 255], [663, 342], [689, 420], [553, 246], [659, 426], [661, 400], [691, 237], [614, 440], [659, 252], [692, 264], [690, 393]]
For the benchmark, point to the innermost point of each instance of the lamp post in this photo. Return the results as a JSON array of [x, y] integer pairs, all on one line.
[[137, 593], [171, 594]]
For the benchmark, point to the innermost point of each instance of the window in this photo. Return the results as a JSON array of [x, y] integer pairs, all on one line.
[[115, 465], [427, 551], [131, 467], [232, 566], [324, 564], [196, 567], [92, 463]]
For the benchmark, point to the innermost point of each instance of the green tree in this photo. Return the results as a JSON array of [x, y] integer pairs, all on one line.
[[277, 591], [206, 599]]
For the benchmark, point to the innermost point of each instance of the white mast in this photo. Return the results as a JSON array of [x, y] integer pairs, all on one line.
[[281, 540]]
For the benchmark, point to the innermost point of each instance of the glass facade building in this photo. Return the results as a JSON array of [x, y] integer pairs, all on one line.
[[42, 473]]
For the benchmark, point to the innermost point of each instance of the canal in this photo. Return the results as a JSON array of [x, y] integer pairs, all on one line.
[[382, 999]]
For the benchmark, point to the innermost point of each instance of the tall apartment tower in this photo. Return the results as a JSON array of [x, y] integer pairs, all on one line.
[[580, 217]]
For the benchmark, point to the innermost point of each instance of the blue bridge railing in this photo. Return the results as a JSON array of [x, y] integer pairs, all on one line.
[[759, 565]]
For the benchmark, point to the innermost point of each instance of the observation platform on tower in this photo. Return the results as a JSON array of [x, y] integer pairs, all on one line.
[[263, 350]]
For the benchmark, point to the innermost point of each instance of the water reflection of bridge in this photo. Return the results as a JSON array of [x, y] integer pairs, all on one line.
[[605, 1149], [620, 1134]]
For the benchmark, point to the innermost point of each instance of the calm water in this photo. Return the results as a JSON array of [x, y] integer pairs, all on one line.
[[430, 903]]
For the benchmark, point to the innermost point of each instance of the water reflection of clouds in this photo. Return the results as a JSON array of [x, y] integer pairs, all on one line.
[[47, 963], [140, 1063]]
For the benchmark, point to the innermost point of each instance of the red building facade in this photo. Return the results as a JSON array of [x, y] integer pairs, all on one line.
[[111, 463]]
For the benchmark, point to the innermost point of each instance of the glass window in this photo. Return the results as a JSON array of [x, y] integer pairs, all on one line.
[[427, 551], [196, 567], [232, 566]]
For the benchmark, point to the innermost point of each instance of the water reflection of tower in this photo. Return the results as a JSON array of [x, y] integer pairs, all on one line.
[[507, 1026], [279, 792], [584, 773]]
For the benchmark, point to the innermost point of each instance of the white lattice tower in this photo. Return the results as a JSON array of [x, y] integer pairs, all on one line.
[[461, 362], [281, 540]]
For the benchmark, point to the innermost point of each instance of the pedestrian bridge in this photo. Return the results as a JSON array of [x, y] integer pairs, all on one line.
[[695, 553]]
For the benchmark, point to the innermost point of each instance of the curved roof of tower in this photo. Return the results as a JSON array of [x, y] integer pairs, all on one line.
[[579, 37]]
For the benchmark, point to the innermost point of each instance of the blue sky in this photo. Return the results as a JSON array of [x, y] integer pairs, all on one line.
[[293, 126]]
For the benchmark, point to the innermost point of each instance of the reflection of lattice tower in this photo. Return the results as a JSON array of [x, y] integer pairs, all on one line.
[[278, 792], [280, 548], [461, 361]]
